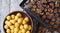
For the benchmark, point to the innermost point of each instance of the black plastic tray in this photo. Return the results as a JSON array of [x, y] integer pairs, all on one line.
[[36, 24]]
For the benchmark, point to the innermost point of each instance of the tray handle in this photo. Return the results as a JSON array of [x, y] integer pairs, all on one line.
[[24, 1]]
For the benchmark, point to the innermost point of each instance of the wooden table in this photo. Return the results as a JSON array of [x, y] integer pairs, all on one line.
[[7, 6]]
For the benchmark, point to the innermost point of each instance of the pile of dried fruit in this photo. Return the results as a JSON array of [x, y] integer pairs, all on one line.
[[48, 10]]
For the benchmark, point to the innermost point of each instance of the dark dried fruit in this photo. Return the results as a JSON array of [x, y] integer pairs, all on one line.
[[49, 11], [52, 23]]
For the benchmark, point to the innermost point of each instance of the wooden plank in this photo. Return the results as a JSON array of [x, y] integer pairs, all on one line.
[[4, 11], [15, 5]]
